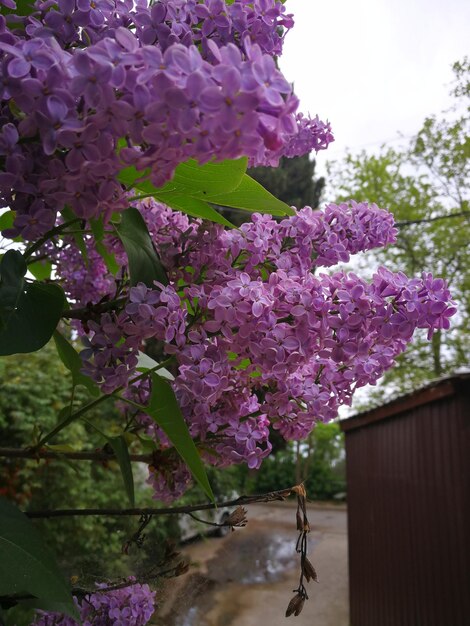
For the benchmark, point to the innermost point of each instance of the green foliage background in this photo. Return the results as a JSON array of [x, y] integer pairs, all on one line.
[[426, 185], [30, 399]]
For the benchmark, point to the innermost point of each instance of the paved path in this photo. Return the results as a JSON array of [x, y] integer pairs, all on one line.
[[247, 578]]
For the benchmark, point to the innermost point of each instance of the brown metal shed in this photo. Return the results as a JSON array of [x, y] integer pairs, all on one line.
[[408, 483]]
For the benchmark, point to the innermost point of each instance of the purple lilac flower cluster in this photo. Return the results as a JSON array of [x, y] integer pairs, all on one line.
[[312, 134], [261, 341], [86, 279], [87, 88], [133, 605], [111, 354]]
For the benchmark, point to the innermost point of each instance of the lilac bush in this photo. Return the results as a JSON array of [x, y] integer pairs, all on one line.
[[113, 111], [259, 340]]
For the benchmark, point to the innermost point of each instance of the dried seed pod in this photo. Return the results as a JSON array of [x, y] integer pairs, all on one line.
[[300, 606], [309, 571], [295, 605], [237, 518], [170, 551], [299, 490], [300, 523], [181, 568]]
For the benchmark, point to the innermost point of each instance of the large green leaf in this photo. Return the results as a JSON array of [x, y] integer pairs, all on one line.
[[200, 181], [191, 179], [26, 566], [164, 410], [194, 186], [31, 324], [121, 451], [193, 206], [144, 264], [133, 179], [72, 361], [251, 196]]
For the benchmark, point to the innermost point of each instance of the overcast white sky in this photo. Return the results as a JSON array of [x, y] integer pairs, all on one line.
[[374, 68]]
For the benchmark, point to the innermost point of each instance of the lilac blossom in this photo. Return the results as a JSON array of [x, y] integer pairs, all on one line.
[[133, 605], [259, 337], [176, 80], [262, 342]]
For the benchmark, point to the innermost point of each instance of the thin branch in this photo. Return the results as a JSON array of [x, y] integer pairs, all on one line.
[[177, 510], [91, 455], [68, 420], [128, 583], [205, 521], [427, 220], [85, 312], [79, 592], [57, 230]]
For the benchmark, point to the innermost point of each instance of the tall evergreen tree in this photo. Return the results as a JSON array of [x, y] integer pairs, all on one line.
[[293, 181]]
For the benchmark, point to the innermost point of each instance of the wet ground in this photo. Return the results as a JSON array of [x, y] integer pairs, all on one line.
[[247, 578]]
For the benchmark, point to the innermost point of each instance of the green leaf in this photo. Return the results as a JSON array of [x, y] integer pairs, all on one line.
[[164, 410], [23, 7], [27, 566], [192, 179], [194, 185], [97, 227], [133, 179], [41, 270], [251, 196], [31, 324], [121, 451], [6, 220], [194, 207], [191, 186], [148, 444], [108, 257], [145, 363], [144, 264], [12, 271], [201, 181], [12, 268], [72, 361]]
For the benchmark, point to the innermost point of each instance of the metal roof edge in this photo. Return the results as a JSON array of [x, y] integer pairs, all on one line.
[[432, 392]]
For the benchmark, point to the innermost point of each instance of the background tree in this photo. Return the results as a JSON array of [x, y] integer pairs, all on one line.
[[425, 186], [320, 460], [88, 547], [293, 181]]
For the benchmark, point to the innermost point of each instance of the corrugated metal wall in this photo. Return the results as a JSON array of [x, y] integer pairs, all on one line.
[[409, 517]]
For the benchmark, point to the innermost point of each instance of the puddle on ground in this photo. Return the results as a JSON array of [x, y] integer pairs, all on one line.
[[252, 558]]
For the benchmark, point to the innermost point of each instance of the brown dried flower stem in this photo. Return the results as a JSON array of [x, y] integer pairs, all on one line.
[[307, 571]]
